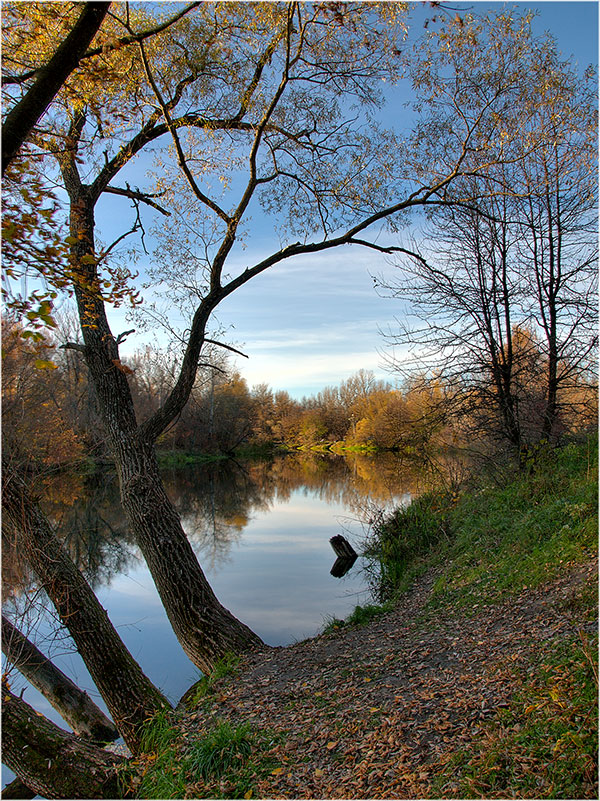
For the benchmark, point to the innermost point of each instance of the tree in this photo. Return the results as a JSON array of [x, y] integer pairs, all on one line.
[[505, 286], [51, 762], [24, 115], [272, 102], [130, 696], [34, 423], [74, 706]]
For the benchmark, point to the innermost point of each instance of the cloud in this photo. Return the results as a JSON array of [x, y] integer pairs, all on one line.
[[310, 372]]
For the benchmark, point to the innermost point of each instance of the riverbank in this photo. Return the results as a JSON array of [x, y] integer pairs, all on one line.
[[492, 704], [479, 680]]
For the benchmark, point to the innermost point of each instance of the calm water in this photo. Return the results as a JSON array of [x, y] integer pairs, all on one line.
[[261, 532]]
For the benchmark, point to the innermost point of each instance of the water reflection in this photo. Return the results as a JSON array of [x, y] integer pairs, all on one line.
[[216, 501], [261, 531]]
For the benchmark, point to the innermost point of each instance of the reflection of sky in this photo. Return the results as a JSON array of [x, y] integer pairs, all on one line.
[[277, 580]]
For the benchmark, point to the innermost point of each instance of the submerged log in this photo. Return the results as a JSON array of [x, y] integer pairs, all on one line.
[[342, 547]]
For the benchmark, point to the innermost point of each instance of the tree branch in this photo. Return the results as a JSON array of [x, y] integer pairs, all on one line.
[[21, 119], [180, 155], [227, 347], [107, 48], [136, 195]]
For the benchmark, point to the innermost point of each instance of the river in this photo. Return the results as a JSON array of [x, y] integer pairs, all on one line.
[[261, 531]]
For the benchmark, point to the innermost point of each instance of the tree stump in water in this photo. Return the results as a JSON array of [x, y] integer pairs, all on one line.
[[346, 556], [342, 547]]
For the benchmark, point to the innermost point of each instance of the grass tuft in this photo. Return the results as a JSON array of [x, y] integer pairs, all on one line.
[[223, 763], [227, 666]]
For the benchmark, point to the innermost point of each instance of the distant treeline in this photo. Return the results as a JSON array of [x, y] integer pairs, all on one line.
[[49, 411]]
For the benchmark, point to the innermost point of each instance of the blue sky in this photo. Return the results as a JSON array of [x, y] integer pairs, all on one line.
[[313, 321]]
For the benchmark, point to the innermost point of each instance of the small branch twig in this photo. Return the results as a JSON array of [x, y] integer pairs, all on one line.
[[122, 337], [227, 347]]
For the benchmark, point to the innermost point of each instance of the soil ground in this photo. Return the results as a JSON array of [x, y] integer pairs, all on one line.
[[371, 711]]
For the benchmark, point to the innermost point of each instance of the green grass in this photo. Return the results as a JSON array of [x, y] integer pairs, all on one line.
[[224, 762], [399, 542], [175, 459], [226, 666], [220, 750], [359, 617], [495, 540], [544, 745]]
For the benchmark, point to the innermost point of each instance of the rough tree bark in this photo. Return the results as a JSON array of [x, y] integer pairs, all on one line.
[[74, 706], [129, 695], [17, 790], [50, 761]]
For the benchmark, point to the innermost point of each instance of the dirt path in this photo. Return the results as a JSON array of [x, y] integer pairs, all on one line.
[[366, 711]]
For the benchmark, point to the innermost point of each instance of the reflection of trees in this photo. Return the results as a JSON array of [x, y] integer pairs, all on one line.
[[217, 500], [353, 480], [92, 526]]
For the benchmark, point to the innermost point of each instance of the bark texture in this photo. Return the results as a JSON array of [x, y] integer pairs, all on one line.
[[205, 628], [50, 761], [129, 695], [17, 790], [74, 706]]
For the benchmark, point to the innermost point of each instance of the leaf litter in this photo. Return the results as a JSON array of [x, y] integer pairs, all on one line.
[[377, 711]]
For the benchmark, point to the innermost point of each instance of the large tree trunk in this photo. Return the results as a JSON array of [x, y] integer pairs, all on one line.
[[129, 695], [73, 705], [50, 761], [205, 629]]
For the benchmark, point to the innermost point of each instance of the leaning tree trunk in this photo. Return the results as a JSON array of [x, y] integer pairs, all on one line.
[[205, 629], [74, 706], [52, 762], [129, 695]]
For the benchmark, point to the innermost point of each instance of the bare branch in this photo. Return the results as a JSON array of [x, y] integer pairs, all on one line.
[[227, 347], [122, 337], [136, 195], [73, 346], [179, 150]]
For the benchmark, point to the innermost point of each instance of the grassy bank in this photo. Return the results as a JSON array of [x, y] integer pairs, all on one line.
[[497, 659], [489, 543], [498, 536]]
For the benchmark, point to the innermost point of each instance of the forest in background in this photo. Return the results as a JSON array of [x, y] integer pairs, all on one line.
[[51, 418]]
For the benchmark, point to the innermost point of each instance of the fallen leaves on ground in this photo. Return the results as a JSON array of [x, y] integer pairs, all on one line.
[[377, 711]]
